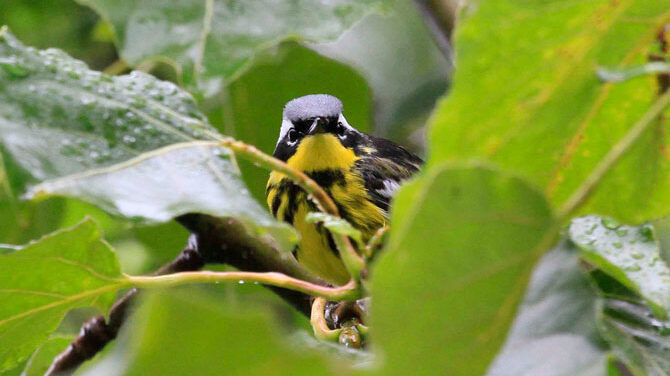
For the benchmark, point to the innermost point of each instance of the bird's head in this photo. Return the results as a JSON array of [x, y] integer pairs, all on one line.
[[315, 134]]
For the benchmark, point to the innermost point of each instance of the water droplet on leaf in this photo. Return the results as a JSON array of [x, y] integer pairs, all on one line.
[[610, 223], [11, 66]]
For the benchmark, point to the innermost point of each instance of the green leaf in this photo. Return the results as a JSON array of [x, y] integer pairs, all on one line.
[[636, 337], [41, 360], [133, 145], [628, 254], [42, 281], [335, 224], [526, 96], [215, 39], [463, 243], [221, 340], [555, 330]]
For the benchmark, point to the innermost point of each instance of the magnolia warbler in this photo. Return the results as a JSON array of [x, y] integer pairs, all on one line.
[[359, 171]]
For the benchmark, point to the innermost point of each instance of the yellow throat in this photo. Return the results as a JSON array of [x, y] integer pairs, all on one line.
[[318, 153]]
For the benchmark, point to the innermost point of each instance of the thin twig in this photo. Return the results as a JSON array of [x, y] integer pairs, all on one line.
[[320, 197], [584, 191], [117, 67], [348, 291], [376, 240]]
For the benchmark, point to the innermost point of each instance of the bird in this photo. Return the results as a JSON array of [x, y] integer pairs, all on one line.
[[359, 171]]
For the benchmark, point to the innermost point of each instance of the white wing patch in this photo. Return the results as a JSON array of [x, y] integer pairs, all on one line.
[[390, 187]]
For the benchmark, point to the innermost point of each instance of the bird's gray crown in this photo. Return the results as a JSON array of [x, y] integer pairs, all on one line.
[[311, 106]]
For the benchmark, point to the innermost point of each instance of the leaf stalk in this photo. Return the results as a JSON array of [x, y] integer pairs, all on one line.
[[348, 291]]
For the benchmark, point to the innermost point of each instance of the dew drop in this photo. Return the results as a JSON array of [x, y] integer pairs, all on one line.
[[647, 233], [637, 255], [617, 245], [87, 100], [592, 229], [633, 268], [11, 66], [138, 102], [622, 232], [610, 223]]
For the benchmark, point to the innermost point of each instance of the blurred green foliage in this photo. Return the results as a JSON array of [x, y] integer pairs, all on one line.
[[526, 105]]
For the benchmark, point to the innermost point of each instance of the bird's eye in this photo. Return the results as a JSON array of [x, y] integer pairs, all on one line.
[[341, 129], [293, 135]]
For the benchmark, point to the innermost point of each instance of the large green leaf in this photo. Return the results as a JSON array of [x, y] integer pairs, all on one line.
[[133, 145], [215, 39], [221, 340], [526, 96], [554, 333], [42, 281], [628, 254], [445, 290]]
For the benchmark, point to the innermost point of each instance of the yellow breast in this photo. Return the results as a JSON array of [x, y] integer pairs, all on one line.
[[315, 155]]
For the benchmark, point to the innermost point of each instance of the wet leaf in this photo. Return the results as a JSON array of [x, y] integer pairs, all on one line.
[[463, 243], [133, 145], [42, 281], [214, 40], [636, 337], [627, 253], [555, 333], [335, 224], [526, 96]]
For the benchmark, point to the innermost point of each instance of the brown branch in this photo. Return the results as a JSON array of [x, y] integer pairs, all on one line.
[[227, 241]]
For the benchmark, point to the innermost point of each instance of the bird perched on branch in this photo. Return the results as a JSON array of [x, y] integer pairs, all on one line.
[[360, 172]]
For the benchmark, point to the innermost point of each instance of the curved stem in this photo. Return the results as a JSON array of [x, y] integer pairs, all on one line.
[[349, 291], [318, 321], [584, 191], [251, 153], [376, 240], [117, 67], [352, 260]]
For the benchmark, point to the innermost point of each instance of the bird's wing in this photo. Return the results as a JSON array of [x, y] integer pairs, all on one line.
[[384, 169]]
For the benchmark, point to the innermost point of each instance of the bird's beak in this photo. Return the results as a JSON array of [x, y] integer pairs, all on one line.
[[318, 126]]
